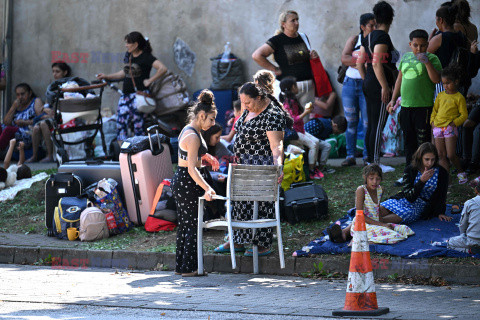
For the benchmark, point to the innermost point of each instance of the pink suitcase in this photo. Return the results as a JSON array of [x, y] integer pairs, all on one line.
[[143, 172]]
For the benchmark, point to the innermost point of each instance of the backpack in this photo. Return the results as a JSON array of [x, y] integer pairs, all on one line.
[[93, 225], [67, 215], [163, 214], [465, 60]]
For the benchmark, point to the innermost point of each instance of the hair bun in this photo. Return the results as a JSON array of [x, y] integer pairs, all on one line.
[[206, 97]]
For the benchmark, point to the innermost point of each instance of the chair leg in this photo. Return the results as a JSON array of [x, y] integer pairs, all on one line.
[[200, 237], [279, 235], [255, 247], [230, 234], [255, 259]]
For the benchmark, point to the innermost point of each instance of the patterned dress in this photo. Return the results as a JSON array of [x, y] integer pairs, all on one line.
[[379, 234], [24, 133], [412, 211], [252, 147]]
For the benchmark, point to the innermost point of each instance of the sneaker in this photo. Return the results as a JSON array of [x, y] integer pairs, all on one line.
[[349, 162], [475, 182], [328, 170], [386, 168], [316, 175], [399, 182], [462, 178]]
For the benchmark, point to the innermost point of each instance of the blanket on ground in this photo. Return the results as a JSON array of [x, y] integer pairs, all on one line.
[[10, 193], [415, 247]]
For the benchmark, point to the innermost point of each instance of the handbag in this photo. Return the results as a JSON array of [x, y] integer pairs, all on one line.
[[226, 76], [320, 77], [391, 73], [342, 69], [143, 100], [341, 72]]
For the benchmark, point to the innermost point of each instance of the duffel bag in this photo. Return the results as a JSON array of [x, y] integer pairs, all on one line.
[[305, 201]]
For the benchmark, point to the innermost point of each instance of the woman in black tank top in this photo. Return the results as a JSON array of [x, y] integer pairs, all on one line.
[[188, 183]]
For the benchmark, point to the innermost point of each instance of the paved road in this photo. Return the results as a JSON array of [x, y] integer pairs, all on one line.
[[31, 292]]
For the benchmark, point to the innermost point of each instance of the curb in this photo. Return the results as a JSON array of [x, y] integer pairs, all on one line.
[[72, 259]]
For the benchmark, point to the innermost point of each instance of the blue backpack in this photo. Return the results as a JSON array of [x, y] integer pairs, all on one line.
[[67, 215]]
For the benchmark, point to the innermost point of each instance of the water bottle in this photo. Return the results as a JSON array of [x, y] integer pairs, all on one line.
[[226, 53]]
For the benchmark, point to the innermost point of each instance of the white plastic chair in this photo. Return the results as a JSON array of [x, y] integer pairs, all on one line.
[[245, 183]]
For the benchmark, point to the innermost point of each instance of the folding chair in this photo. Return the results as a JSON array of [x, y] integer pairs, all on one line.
[[245, 183]]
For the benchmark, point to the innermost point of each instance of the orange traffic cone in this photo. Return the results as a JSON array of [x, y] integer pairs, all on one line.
[[361, 298]]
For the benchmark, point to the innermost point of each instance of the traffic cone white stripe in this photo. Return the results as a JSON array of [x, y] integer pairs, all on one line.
[[360, 244], [360, 282]]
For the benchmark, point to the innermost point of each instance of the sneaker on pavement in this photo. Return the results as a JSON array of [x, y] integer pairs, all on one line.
[[316, 175], [462, 178], [349, 162]]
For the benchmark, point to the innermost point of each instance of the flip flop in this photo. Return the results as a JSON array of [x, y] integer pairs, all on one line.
[[222, 249], [249, 253], [456, 209]]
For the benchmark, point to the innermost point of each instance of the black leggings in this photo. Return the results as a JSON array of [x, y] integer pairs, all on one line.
[[415, 124], [377, 116], [186, 192]]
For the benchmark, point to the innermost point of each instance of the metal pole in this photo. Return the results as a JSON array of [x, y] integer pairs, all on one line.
[[7, 53]]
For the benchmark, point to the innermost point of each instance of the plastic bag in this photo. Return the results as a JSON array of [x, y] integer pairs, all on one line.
[[292, 170]]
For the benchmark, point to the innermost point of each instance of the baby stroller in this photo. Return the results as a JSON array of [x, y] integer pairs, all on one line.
[[76, 109]]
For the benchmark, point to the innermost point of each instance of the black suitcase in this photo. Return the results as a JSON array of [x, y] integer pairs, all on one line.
[[305, 201], [92, 171], [59, 185]]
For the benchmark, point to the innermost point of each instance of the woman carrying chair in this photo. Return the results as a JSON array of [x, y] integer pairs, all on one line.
[[188, 183]]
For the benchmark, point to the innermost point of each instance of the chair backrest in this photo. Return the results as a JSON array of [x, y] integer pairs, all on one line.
[[252, 182]]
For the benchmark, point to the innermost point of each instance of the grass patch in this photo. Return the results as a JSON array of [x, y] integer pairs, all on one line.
[[25, 214]]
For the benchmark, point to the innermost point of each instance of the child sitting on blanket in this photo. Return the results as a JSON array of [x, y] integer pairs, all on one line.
[[469, 239], [367, 198], [11, 173]]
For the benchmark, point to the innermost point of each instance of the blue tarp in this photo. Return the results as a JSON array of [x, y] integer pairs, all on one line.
[[415, 247]]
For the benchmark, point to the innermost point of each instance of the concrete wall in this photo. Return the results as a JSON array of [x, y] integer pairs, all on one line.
[[83, 26]]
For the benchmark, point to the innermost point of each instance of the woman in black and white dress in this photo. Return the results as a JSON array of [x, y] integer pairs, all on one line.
[[259, 141]]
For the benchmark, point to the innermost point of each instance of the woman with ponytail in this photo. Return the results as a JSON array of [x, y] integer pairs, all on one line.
[[188, 183], [138, 64]]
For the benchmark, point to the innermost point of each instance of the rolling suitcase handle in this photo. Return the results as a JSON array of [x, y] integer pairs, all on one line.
[[301, 184], [155, 128]]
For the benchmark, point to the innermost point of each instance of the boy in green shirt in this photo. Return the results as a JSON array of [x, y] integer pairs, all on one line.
[[419, 72]]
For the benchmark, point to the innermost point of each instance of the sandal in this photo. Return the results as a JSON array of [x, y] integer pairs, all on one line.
[[335, 234], [456, 209], [249, 253], [221, 249]]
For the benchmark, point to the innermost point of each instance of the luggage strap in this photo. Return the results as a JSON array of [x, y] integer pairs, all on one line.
[[135, 187]]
